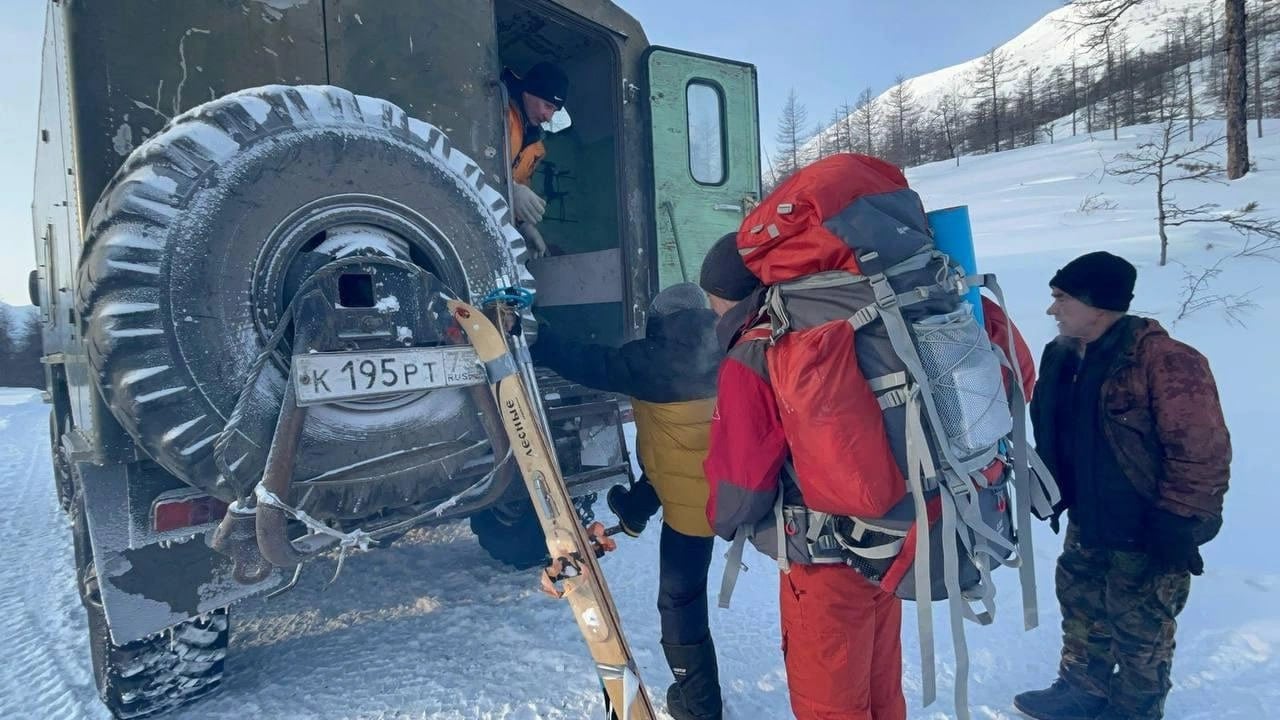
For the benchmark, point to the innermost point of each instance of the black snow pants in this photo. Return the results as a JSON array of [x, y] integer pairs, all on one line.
[[683, 561]]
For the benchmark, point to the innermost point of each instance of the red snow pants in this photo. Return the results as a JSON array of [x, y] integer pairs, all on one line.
[[841, 641]]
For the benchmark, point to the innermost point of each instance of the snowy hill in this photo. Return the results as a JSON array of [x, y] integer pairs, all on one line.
[[432, 628], [16, 318], [1048, 72], [1051, 42], [20, 348]]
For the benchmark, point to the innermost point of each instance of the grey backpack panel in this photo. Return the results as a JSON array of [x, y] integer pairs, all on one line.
[[997, 512], [892, 224]]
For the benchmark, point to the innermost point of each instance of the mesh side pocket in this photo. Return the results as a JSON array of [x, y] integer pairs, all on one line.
[[965, 379]]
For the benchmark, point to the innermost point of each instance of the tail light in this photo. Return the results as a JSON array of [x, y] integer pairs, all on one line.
[[184, 512]]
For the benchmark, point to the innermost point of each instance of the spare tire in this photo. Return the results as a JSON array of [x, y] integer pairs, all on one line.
[[195, 244]]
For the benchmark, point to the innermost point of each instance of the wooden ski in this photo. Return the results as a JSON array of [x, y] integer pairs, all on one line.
[[574, 573]]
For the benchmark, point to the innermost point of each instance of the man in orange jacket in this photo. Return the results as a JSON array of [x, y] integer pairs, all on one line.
[[532, 99]]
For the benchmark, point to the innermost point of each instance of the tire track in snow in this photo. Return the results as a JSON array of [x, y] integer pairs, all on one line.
[[43, 636]]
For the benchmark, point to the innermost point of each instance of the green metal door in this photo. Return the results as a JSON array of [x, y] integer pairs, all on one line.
[[706, 154]]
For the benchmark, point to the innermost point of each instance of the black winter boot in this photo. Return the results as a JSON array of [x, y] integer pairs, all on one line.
[[634, 505], [1060, 701], [695, 695]]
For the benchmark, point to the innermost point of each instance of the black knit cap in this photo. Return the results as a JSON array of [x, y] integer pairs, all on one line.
[[1099, 279], [548, 82], [723, 272]]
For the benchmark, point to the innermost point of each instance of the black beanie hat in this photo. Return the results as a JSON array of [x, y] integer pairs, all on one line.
[[548, 82], [1099, 279], [723, 272]]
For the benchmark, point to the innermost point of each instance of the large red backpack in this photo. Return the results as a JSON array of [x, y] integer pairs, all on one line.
[[904, 442]]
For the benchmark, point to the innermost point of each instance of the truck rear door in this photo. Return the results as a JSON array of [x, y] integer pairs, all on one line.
[[705, 134]]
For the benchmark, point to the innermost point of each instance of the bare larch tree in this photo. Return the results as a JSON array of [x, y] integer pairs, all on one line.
[[1097, 18], [792, 132]]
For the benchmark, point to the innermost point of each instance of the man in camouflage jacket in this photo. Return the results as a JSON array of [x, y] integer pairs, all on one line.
[[1129, 422]]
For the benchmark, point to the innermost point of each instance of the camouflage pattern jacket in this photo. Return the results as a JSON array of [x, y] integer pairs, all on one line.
[[1160, 414]]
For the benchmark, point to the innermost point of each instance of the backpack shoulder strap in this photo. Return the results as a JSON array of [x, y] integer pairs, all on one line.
[[733, 558]]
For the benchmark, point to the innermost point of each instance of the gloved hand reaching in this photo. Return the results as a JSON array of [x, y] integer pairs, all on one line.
[[1055, 519], [1171, 543], [527, 205], [533, 239]]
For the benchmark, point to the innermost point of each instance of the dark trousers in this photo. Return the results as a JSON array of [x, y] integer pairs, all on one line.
[[1118, 625], [683, 561]]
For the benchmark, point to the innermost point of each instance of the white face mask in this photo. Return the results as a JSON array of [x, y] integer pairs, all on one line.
[[559, 121]]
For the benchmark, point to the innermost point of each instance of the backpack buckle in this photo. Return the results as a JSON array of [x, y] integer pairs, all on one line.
[[864, 317], [957, 485], [885, 296]]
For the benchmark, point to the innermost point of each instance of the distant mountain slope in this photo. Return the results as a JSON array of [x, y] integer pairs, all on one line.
[[17, 316], [1050, 42], [20, 349], [1050, 73]]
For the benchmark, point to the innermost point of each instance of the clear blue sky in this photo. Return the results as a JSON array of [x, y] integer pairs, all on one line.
[[828, 50], [20, 38]]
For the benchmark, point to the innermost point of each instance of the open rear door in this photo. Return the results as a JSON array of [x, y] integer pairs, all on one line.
[[706, 154]]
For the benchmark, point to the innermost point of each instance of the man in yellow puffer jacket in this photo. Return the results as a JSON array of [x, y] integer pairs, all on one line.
[[670, 375]]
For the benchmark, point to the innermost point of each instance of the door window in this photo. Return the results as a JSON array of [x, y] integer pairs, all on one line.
[[706, 132]]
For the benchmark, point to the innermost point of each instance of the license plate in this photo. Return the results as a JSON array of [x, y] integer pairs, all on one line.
[[327, 377]]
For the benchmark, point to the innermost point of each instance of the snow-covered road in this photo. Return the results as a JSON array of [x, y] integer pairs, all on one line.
[[430, 628], [45, 672]]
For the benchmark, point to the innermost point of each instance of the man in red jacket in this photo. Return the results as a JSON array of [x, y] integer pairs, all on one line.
[[840, 632]]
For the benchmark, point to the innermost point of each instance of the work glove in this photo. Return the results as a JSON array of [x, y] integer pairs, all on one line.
[[1171, 543], [1055, 520], [527, 205], [1054, 516], [536, 246]]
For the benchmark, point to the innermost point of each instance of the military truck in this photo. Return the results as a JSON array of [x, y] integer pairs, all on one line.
[[244, 207]]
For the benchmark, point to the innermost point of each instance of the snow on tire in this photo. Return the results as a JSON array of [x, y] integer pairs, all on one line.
[[170, 291]]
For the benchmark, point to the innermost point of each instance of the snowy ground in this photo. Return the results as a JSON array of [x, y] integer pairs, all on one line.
[[434, 629]]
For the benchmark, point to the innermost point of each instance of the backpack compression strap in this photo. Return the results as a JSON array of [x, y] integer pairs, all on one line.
[[959, 507], [920, 469], [1044, 492]]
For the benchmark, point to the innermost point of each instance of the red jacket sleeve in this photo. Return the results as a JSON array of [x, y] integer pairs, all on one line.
[[999, 327], [746, 452]]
